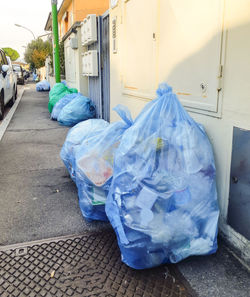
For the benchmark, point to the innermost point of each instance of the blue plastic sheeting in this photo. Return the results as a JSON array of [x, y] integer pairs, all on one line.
[[43, 86], [82, 131], [94, 166], [162, 201], [61, 103], [79, 109]]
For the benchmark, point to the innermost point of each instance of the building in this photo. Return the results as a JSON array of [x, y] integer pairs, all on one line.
[[70, 16], [200, 48]]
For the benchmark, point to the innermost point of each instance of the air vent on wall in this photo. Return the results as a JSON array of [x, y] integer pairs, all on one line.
[[114, 37]]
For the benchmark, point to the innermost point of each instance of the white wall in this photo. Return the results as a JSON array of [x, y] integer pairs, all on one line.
[[73, 64], [184, 43]]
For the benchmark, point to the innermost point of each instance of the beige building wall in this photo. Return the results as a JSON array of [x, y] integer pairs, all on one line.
[[201, 48]]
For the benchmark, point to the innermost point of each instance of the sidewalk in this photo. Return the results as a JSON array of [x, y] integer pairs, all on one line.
[[38, 201]]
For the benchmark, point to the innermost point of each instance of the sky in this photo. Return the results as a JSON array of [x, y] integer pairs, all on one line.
[[32, 14]]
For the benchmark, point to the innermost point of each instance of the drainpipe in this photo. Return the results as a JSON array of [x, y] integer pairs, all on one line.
[[56, 42]]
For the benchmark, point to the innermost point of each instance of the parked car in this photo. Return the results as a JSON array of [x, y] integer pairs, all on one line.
[[26, 74], [8, 83], [20, 73]]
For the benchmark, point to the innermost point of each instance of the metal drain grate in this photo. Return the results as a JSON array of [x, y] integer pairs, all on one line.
[[87, 265]]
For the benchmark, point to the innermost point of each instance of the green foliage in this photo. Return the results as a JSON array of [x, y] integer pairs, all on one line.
[[36, 53], [62, 59], [13, 54]]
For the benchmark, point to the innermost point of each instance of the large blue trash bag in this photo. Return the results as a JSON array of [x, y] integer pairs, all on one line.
[[60, 105], [75, 136], [42, 86], [162, 201], [94, 166], [79, 109]]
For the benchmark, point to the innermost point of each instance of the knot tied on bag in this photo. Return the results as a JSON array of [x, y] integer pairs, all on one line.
[[163, 89]]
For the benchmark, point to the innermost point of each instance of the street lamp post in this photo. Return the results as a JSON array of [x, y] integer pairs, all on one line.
[[26, 29]]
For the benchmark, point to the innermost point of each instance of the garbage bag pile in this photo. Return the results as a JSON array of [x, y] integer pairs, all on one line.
[[60, 105], [162, 202], [42, 86], [58, 91], [78, 109], [75, 136], [93, 165]]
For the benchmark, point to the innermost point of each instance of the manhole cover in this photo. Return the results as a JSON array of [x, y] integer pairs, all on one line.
[[87, 265]]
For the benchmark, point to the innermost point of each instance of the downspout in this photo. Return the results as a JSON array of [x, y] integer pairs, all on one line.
[[56, 42]]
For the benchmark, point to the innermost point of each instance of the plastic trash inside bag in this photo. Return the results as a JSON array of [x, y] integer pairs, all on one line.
[[58, 91], [82, 131], [94, 166], [42, 86], [79, 109], [60, 105], [162, 201]]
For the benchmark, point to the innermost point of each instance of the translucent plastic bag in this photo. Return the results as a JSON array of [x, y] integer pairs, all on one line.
[[42, 86], [79, 109], [58, 91], [94, 166], [82, 131], [60, 105], [162, 201]]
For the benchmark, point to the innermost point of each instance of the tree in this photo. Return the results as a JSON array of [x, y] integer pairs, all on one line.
[[36, 52], [13, 54]]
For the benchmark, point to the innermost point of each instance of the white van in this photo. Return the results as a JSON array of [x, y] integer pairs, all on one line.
[[8, 83]]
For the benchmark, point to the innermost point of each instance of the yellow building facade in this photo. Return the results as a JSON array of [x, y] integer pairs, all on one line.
[[72, 11]]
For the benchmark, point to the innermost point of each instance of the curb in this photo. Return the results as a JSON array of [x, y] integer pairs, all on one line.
[[5, 123]]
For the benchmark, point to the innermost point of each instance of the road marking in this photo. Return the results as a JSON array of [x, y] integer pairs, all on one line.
[[5, 123]]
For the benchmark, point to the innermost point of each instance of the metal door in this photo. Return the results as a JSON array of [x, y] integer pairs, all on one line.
[[99, 86], [239, 196]]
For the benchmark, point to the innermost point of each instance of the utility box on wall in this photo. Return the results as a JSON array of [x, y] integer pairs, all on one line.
[[74, 43], [89, 30], [90, 63]]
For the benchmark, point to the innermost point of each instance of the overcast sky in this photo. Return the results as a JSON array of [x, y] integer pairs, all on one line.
[[32, 14]]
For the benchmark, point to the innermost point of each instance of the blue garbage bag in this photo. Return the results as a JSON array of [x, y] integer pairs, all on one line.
[[65, 83], [162, 202], [42, 86], [79, 109], [75, 136], [94, 166], [35, 76], [60, 105]]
